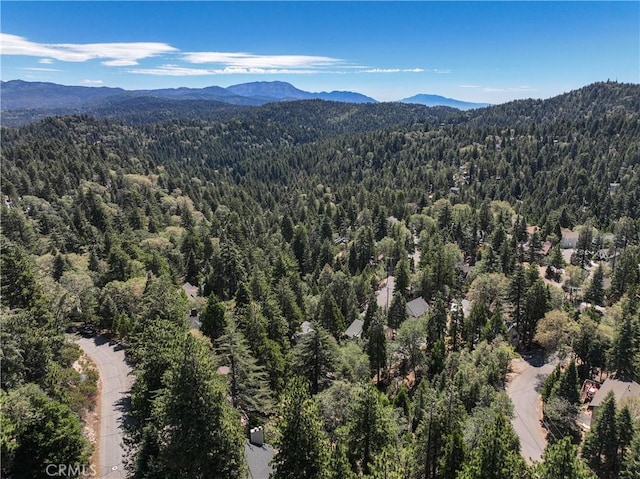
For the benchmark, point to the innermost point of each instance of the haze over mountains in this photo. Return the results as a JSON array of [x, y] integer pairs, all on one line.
[[437, 100], [51, 98]]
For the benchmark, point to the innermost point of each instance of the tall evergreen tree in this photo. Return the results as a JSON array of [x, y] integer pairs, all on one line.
[[377, 345], [497, 453], [247, 381], [369, 427], [561, 460], [197, 432], [213, 318], [600, 448], [314, 358], [302, 448]]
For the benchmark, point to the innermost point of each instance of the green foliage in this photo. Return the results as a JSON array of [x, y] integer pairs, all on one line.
[[369, 428], [247, 381], [496, 454], [561, 459], [314, 358], [303, 451], [608, 440], [38, 431], [194, 430], [212, 319], [281, 212]]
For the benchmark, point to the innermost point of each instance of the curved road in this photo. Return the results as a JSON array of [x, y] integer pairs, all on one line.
[[523, 390], [116, 384]]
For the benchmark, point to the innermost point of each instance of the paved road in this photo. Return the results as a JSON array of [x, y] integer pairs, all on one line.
[[116, 384], [385, 294], [523, 389]]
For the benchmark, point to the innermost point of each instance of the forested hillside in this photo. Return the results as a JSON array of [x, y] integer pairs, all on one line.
[[298, 212]]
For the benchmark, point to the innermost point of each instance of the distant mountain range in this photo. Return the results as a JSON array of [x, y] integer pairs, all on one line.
[[437, 100], [18, 95], [22, 95]]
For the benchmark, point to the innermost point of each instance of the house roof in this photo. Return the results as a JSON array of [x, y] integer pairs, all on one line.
[[568, 234], [258, 458], [191, 290], [466, 307], [417, 307], [621, 390], [546, 247], [306, 327], [355, 329]]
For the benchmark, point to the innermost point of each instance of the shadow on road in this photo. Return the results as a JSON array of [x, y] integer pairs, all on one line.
[[124, 406], [535, 357]]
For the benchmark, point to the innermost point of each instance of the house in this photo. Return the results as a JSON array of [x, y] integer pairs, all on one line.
[[621, 390], [194, 319], [354, 331], [190, 290], [305, 328], [258, 459], [464, 305], [589, 388], [417, 307], [546, 247], [569, 239]]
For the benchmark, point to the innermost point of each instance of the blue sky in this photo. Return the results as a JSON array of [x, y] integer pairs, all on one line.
[[476, 51]]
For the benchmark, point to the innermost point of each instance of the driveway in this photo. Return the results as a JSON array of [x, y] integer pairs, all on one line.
[[529, 372], [384, 295], [116, 383]]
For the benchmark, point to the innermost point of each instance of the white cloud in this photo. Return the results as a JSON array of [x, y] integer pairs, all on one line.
[[251, 60], [176, 70], [92, 82], [34, 69], [393, 70], [45, 61], [441, 70], [114, 54]]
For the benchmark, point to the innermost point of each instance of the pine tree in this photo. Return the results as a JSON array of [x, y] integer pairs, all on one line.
[[197, 432], [453, 455], [248, 382], [372, 307], [328, 314], [568, 385], [302, 448], [595, 293], [430, 440], [212, 318], [397, 311], [369, 427], [517, 291], [497, 453], [631, 463], [377, 345], [600, 448], [624, 349], [403, 277], [561, 460], [314, 358]]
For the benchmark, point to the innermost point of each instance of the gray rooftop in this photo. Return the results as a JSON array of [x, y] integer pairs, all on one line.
[[355, 329], [258, 458], [621, 390], [417, 307]]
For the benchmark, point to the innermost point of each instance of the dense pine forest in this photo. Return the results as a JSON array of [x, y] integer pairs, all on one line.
[[291, 219]]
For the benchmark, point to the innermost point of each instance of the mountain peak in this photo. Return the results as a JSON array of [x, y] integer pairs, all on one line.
[[438, 100]]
